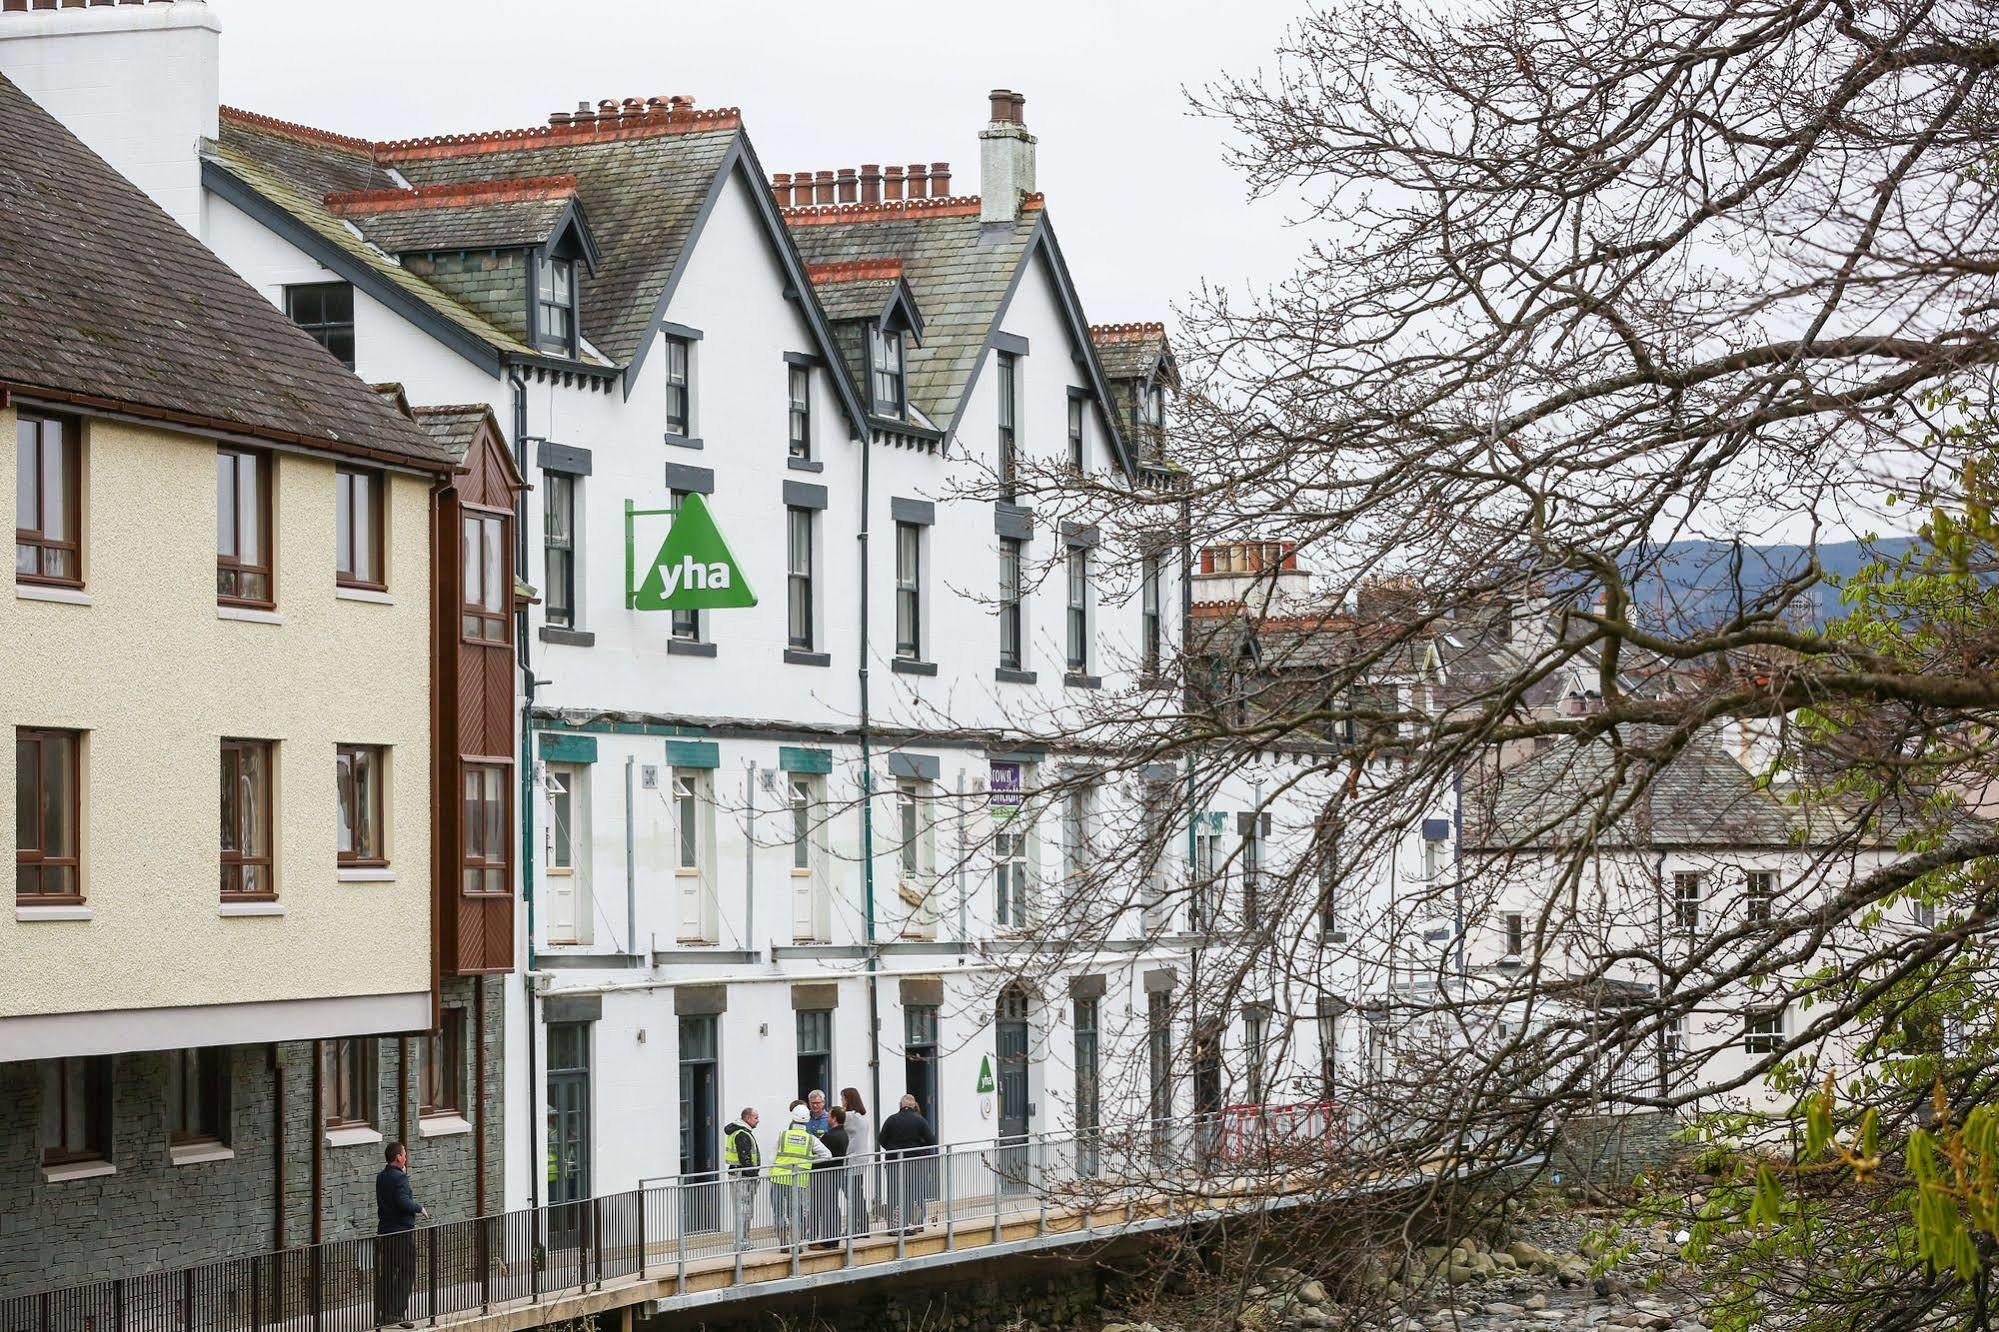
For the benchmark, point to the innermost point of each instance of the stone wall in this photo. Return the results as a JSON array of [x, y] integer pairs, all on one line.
[[150, 1214], [1610, 1151]]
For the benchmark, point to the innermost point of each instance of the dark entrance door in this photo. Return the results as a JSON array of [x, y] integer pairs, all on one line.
[[919, 1059], [1088, 1091], [815, 1052], [568, 1129], [1207, 1089], [700, 1129], [1010, 1040]]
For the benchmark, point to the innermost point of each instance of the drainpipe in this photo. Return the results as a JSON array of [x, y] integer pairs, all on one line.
[[278, 1146], [1187, 618], [528, 1121], [868, 811], [750, 860], [631, 872], [1457, 879]]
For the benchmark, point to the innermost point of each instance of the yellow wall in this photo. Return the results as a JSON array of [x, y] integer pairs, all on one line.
[[157, 679]]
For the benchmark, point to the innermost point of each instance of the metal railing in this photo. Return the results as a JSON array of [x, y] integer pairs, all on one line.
[[967, 1193]]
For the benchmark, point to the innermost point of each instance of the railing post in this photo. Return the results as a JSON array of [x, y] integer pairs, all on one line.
[[485, 1254], [256, 1295], [537, 1254], [642, 1231], [997, 1170], [430, 1257], [1041, 1184], [950, 1213], [314, 1267], [187, 1300], [596, 1243], [679, 1187], [118, 1305], [795, 1215]]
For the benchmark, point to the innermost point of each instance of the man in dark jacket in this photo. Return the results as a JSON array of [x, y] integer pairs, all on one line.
[[908, 1143], [396, 1213]]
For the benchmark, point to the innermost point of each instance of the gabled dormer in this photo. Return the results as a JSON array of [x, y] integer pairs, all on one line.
[[875, 322], [513, 251], [1140, 368]]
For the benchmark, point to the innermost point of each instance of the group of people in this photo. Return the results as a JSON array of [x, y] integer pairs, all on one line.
[[819, 1191]]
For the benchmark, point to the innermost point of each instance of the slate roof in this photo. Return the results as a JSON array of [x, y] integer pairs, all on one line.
[[1702, 798], [294, 168], [453, 428], [105, 300], [644, 193], [1132, 351], [854, 299], [960, 270], [488, 220]]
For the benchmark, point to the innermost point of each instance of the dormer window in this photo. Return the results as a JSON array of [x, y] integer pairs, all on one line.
[[555, 305], [1154, 400], [885, 360]]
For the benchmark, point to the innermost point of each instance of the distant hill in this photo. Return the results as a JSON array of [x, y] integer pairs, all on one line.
[[1694, 583]]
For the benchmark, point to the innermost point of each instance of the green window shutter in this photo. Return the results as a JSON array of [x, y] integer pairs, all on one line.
[[791, 758], [559, 748], [693, 754]]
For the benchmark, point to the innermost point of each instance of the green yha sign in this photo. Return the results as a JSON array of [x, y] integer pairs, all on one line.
[[694, 570]]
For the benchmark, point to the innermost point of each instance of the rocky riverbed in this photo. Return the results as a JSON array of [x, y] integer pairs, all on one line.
[[1541, 1280]]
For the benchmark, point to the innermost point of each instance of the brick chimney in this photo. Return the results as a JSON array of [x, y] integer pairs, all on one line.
[[138, 83], [1006, 158]]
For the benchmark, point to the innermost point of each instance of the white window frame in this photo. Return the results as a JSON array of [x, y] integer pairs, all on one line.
[[804, 805], [691, 798], [916, 856]]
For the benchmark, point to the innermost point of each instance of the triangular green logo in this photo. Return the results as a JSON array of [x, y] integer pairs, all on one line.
[[694, 569], [985, 1073]]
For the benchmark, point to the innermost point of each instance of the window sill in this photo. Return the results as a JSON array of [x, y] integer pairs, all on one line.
[[248, 615], [1009, 675], [374, 596], [689, 647], [1079, 680], [911, 666], [793, 657], [251, 909], [366, 874], [353, 1135], [27, 913], [684, 441], [198, 1153], [67, 596], [804, 464], [74, 1170], [442, 1126], [555, 633]]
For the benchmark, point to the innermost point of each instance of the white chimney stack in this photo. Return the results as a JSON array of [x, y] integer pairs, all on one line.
[[136, 80], [1006, 159]]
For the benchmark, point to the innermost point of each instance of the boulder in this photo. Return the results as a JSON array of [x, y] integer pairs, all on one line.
[[1530, 1256], [1313, 1292]]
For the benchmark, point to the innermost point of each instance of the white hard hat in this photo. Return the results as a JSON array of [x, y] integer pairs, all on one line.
[[800, 1115]]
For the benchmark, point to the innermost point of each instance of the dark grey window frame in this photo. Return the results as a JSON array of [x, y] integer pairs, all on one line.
[[1007, 462], [326, 332], [546, 264]]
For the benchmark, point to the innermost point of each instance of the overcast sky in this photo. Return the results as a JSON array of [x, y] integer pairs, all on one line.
[[1137, 189]]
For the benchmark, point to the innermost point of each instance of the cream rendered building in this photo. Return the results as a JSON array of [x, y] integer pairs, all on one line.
[[151, 674], [222, 989]]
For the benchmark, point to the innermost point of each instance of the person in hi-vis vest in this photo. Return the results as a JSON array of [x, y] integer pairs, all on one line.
[[740, 1153], [790, 1173]]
